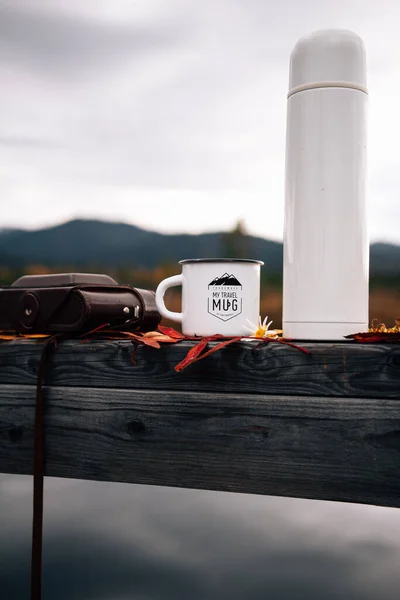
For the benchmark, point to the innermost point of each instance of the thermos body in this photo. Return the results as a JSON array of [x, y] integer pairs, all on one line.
[[326, 247]]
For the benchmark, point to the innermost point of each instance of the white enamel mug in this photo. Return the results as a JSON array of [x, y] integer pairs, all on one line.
[[219, 296]]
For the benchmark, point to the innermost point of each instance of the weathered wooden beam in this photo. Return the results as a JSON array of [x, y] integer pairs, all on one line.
[[345, 449], [341, 370]]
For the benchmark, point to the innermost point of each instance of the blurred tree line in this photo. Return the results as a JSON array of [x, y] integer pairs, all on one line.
[[384, 291]]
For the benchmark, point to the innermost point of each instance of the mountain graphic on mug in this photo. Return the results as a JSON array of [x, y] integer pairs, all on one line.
[[225, 279]]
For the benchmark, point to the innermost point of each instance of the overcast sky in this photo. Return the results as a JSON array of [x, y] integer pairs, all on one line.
[[170, 114]]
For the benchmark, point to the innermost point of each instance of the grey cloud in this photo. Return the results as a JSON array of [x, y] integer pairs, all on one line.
[[190, 94], [213, 104], [59, 45], [176, 131], [26, 142]]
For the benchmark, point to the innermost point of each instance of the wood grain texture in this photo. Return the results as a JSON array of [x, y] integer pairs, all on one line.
[[343, 449], [345, 369]]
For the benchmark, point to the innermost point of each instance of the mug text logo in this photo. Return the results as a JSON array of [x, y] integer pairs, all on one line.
[[225, 297]]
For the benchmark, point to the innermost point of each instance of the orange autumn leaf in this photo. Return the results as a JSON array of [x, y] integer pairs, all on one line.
[[32, 336], [160, 337], [149, 342]]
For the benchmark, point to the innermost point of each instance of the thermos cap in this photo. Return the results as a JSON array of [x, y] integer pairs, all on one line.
[[328, 58]]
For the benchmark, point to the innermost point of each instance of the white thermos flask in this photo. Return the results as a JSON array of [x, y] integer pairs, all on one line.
[[326, 248]]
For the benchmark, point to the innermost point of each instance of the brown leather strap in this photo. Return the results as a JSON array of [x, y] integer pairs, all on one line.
[[38, 477]]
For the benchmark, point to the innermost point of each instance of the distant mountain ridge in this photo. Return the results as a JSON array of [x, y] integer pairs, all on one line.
[[93, 243]]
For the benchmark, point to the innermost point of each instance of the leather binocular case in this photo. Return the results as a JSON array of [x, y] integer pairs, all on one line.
[[75, 303]]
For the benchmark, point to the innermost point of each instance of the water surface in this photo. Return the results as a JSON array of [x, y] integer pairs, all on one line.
[[110, 541]]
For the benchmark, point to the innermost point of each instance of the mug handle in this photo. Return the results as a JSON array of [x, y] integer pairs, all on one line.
[[160, 292]]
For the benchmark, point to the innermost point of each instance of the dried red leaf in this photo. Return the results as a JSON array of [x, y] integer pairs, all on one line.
[[219, 346], [105, 334], [97, 329], [171, 332], [373, 337], [144, 338], [192, 355], [286, 343]]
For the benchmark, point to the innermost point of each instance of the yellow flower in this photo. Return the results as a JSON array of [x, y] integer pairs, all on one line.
[[377, 327], [262, 329]]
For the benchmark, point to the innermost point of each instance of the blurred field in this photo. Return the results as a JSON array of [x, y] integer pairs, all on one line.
[[384, 304], [384, 292]]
